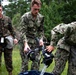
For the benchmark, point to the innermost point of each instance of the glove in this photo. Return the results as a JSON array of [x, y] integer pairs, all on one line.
[[48, 58], [31, 54]]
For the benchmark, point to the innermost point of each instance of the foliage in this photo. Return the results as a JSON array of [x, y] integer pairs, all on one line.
[[52, 17], [15, 7], [54, 11], [16, 20], [67, 11]]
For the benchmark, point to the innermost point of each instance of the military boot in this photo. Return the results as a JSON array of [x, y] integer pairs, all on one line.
[[10, 73]]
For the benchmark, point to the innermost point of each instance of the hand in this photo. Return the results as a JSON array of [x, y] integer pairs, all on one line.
[[49, 48], [15, 41], [41, 43], [26, 48]]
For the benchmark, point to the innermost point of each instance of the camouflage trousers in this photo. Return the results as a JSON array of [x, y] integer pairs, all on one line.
[[25, 61], [7, 58], [61, 57]]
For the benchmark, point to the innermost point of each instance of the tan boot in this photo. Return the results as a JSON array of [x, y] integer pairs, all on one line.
[[10, 73]]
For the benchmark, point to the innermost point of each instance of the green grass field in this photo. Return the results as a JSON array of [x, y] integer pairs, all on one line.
[[17, 64]]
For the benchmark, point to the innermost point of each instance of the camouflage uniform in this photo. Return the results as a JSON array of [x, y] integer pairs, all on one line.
[[66, 47], [30, 29], [6, 30]]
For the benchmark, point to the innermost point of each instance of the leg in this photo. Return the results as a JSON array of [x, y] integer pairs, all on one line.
[[36, 64], [24, 64], [72, 62], [61, 58], [8, 60]]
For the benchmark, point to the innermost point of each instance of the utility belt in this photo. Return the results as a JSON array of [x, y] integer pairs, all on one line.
[[6, 41], [31, 36]]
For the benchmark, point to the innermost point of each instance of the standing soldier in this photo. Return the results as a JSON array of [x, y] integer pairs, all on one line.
[[31, 27], [7, 37], [66, 47]]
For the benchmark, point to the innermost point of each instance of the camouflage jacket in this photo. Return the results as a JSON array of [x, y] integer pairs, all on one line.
[[6, 27], [67, 33], [31, 27]]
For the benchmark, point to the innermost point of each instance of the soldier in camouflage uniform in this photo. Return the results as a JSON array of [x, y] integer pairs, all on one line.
[[6, 36], [31, 27], [66, 47]]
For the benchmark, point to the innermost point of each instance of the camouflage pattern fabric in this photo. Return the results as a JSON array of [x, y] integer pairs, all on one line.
[[65, 32], [65, 35], [72, 62], [61, 57], [25, 61], [8, 59], [30, 29], [6, 29]]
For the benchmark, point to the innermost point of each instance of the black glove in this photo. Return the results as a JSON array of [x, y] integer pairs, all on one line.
[[31, 55], [48, 58]]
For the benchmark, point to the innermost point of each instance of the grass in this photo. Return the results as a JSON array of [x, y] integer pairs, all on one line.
[[17, 64]]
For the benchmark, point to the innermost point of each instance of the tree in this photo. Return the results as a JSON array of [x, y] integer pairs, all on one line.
[[16, 20], [54, 11], [68, 11], [52, 17], [16, 6]]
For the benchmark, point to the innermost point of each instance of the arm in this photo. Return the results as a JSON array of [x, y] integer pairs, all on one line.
[[23, 30], [13, 33], [10, 28], [60, 29], [23, 27]]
